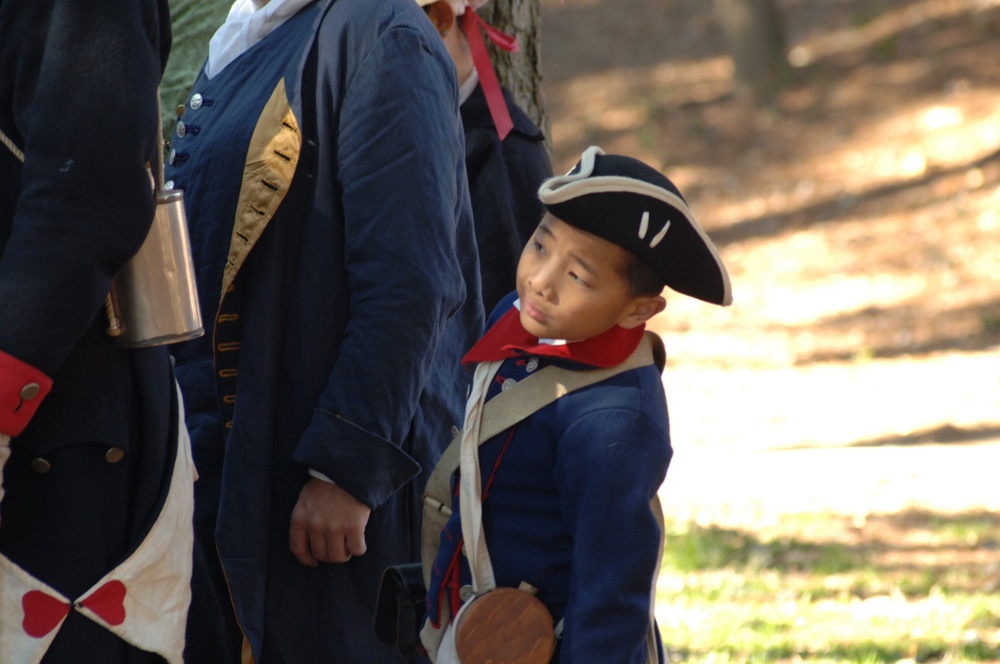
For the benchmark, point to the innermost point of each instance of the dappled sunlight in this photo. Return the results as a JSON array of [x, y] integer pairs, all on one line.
[[615, 101], [902, 587], [856, 377], [744, 408], [869, 31], [913, 141], [786, 304]]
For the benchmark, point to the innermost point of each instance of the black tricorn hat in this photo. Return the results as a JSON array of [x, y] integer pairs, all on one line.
[[633, 205]]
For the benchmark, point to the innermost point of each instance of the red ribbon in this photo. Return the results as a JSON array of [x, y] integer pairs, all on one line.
[[471, 22], [43, 613]]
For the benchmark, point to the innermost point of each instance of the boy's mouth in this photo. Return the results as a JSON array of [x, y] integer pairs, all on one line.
[[534, 313]]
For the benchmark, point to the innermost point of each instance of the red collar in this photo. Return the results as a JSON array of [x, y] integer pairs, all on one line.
[[508, 338]]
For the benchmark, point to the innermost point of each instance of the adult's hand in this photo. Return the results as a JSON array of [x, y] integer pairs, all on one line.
[[328, 524]]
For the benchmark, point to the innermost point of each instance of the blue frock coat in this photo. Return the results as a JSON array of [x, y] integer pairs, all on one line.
[[339, 305]]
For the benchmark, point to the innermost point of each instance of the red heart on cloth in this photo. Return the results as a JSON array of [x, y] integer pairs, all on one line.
[[108, 602], [42, 613]]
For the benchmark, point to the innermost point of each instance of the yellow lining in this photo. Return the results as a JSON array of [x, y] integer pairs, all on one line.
[[272, 157]]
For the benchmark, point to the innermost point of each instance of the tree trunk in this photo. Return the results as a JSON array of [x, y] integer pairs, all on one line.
[[520, 72], [756, 39]]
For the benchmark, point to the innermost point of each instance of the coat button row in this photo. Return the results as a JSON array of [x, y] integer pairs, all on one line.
[[42, 465]]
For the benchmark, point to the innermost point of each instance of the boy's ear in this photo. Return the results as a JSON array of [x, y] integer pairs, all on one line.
[[643, 308], [441, 15]]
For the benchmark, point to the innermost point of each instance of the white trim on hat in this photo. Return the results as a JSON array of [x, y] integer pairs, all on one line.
[[567, 187], [586, 164], [603, 184], [577, 186]]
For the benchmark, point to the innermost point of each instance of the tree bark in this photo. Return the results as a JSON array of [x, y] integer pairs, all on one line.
[[520, 72], [756, 38]]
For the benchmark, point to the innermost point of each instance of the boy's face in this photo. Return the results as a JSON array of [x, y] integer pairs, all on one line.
[[571, 285]]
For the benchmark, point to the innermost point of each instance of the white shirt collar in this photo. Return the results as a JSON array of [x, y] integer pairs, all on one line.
[[466, 89], [247, 23], [550, 342]]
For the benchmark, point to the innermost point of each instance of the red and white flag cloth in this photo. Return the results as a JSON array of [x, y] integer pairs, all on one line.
[[144, 600]]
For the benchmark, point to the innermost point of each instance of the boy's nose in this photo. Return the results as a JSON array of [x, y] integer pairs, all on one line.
[[541, 283]]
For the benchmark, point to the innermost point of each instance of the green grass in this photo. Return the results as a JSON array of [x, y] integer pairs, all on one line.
[[914, 587]]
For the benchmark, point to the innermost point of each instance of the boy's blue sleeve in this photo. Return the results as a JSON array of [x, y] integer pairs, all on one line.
[[611, 463]]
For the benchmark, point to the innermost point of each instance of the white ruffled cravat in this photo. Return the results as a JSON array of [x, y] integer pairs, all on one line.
[[248, 22]]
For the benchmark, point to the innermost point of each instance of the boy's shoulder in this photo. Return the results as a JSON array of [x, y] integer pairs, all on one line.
[[639, 390], [503, 306], [634, 392]]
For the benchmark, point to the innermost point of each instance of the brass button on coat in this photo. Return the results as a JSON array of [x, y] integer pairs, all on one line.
[[30, 391], [114, 454], [40, 465]]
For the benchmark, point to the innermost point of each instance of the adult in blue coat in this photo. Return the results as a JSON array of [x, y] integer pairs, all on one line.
[[322, 164]]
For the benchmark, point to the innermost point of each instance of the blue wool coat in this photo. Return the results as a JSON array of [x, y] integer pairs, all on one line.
[[346, 300], [566, 508]]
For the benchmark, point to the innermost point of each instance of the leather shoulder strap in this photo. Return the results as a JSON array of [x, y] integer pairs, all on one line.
[[539, 390], [9, 142]]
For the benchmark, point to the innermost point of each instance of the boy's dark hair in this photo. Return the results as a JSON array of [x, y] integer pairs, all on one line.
[[642, 279]]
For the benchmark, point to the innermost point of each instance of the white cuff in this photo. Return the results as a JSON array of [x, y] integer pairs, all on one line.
[[320, 476]]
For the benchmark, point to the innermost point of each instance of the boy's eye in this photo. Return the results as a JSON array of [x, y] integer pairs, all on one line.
[[578, 279], [538, 246]]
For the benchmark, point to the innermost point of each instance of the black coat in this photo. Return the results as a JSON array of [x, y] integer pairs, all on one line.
[[78, 94], [503, 182]]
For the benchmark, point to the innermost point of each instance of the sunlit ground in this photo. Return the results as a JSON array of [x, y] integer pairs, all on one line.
[[851, 394]]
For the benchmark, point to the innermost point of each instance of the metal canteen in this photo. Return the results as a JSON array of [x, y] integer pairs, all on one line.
[[154, 299]]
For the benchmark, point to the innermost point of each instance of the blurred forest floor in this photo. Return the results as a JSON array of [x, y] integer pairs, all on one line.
[[857, 372]]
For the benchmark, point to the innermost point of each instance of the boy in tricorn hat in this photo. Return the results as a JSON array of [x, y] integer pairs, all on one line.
[[565, 500]]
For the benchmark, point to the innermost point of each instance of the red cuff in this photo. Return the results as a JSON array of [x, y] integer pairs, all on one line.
[[22, 388]]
